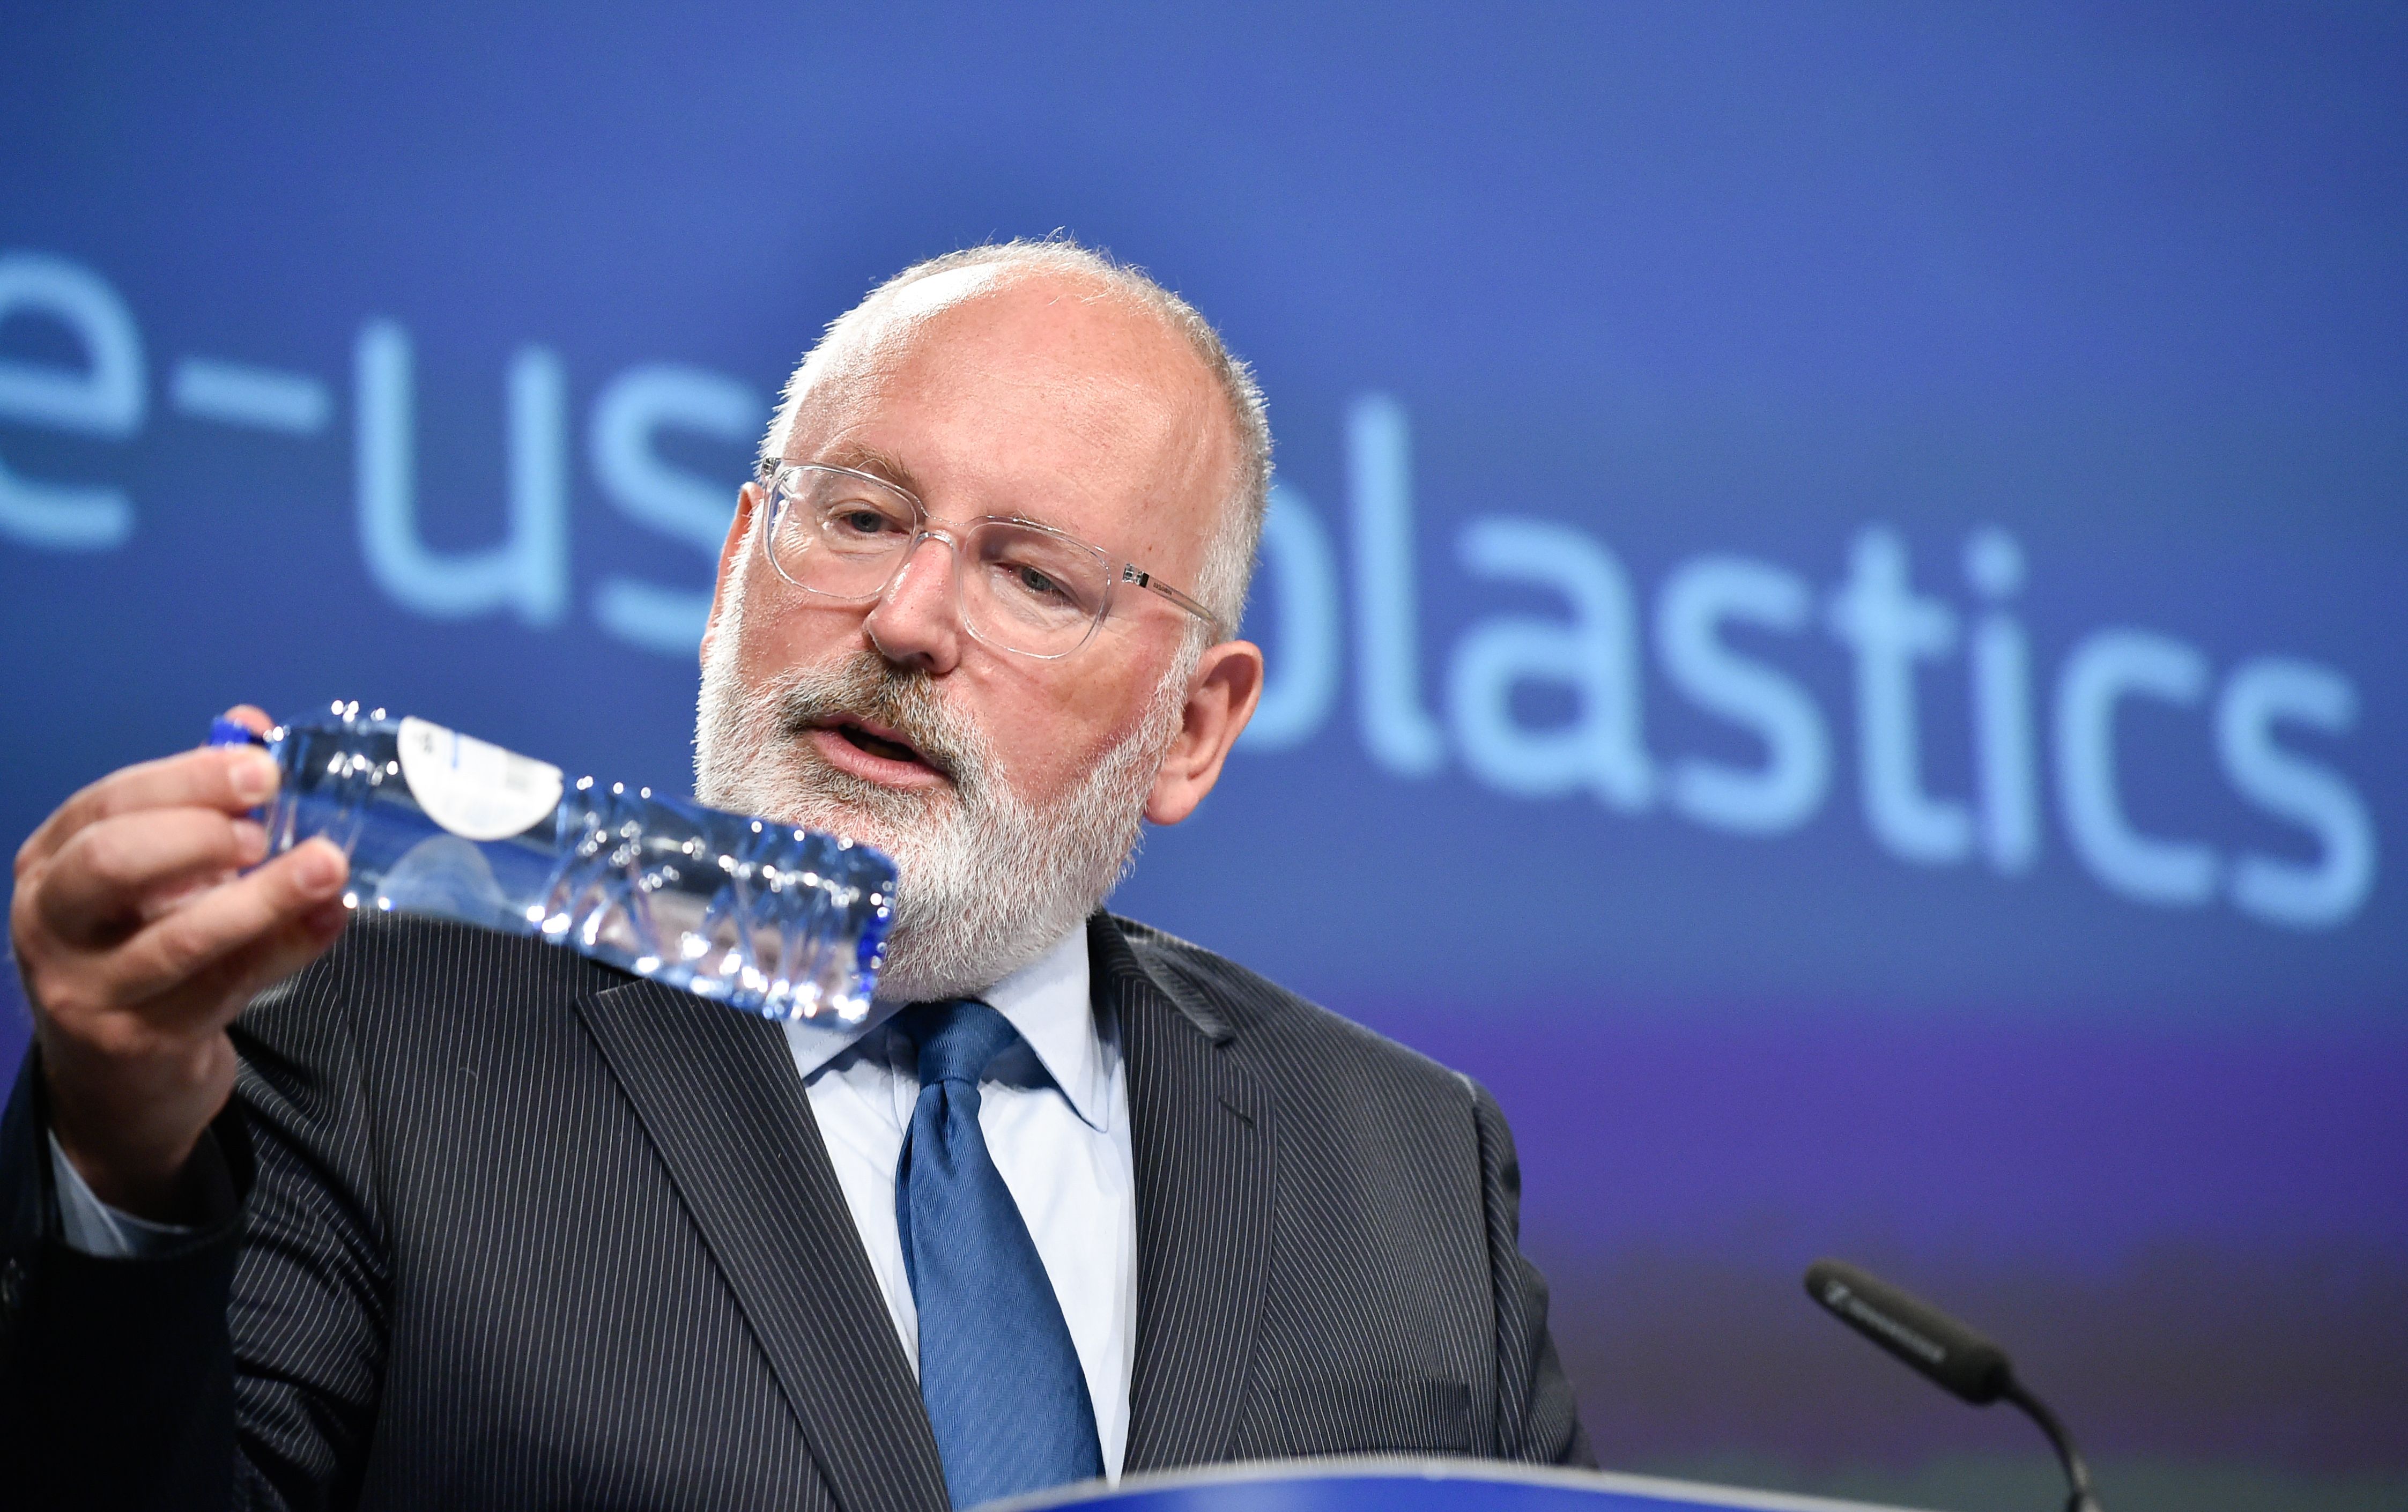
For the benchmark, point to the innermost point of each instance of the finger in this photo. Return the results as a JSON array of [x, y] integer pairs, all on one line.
[[250, 716], [170, 953], [228, 984], [115, 872], [230, 779]]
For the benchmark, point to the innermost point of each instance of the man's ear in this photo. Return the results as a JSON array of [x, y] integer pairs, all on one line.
[[731, 553], [1221, 698]]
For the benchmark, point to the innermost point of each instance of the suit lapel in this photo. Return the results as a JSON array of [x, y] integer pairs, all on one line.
[[717, 1092], [1201, 1138]]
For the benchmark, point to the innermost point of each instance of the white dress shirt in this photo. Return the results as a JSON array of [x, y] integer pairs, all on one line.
[[1057, 1122], [93, 1227], [1055, 1111]]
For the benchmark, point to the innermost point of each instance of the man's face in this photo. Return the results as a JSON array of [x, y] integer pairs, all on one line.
[[1008, 788]]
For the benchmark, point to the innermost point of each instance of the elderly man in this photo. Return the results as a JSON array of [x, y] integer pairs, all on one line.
[[440, 1217]]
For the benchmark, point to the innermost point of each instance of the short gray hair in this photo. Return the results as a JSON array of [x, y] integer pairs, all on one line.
[[1229, 555]]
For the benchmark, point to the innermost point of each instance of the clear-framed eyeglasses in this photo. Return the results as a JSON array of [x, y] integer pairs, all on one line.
[[1018, 586]]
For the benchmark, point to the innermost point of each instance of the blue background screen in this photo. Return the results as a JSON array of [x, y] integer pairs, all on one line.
[[1833, 598]]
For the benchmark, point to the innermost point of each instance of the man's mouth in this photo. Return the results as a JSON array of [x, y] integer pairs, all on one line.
[[872, 751], [879, 743]]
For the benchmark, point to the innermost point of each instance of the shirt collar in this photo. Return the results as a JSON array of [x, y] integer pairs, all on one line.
[[1047, 1000]]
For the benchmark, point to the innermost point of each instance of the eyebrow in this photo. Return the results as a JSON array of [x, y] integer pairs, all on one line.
[[870, 460], [864, 458]]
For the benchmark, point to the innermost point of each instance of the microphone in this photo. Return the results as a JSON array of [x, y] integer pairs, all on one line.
[[1960, 1360]]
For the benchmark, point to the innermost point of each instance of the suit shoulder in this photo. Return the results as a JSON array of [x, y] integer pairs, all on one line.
[[395, 976], [1286, 1027]]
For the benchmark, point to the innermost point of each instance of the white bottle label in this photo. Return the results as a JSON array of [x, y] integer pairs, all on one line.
[[473, 789]]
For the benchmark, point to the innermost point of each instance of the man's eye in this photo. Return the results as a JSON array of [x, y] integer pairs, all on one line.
[[861, 521], [1038, 585]]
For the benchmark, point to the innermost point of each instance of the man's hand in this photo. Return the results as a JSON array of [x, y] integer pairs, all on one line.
[[140, 941]]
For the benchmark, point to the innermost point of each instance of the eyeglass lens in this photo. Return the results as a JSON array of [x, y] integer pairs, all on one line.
[[1020, 586]]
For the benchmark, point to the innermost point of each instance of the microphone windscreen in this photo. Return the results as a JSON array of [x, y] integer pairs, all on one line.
[[1960, 1359]]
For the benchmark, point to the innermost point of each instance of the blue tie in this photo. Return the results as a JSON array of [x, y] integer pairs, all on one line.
[[998, 1370]]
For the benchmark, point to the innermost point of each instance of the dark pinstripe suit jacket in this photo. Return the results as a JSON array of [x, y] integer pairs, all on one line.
[[520, 1230]]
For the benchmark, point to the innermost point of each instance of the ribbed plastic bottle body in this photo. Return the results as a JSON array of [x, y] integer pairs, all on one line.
[[765, 917]]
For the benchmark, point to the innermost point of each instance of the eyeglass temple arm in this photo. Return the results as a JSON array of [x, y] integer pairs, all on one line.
[[1137, 577]]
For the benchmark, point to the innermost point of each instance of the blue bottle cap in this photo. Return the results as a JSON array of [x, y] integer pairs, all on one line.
[[225, 732]]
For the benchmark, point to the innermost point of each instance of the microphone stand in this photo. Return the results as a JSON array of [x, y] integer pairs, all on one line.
[[2077, 1474]]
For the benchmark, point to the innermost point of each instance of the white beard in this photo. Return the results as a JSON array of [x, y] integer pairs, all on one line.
[[989, 881]]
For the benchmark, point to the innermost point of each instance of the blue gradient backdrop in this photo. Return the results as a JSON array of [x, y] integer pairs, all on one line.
[[1834, 602]]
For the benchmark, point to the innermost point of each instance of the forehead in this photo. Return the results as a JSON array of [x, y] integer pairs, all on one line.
[[996, 390]]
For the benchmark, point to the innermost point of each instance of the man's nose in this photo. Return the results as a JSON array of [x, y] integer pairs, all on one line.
[[917, 621]]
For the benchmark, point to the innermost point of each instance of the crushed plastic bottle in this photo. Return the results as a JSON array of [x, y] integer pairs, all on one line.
[[784, 922]]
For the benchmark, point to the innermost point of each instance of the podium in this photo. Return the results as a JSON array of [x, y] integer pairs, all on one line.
[[1403, 1485]]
